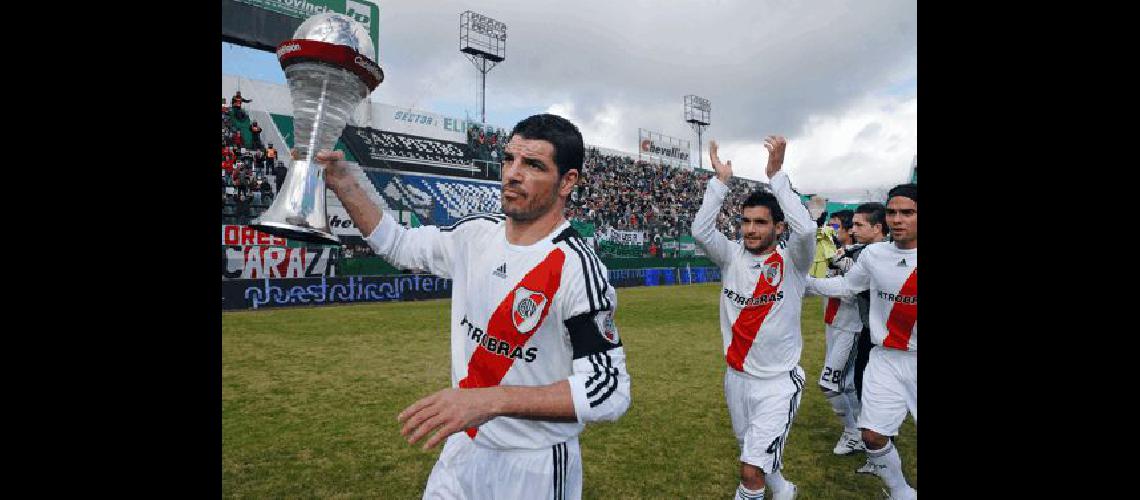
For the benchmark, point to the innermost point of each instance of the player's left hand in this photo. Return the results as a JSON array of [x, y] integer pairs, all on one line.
[[775, 145], [449, 410]]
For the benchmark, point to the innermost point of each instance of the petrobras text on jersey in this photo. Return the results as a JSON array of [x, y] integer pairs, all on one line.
[[905, 299], [497, 346], [743, 300]]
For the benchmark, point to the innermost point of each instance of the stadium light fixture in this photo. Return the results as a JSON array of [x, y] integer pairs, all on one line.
[[697, 113], [482, 39]]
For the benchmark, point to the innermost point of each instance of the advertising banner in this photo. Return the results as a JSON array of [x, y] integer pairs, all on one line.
[[260, 293], [364, 12], [257, 261], [655, 147]]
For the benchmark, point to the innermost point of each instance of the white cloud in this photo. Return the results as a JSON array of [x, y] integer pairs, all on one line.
[[820, 72]]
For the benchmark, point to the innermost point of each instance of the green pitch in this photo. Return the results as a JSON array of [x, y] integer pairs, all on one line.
[[310, 397]]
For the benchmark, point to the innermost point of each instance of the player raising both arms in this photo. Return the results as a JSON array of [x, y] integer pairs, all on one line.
[[763, 288]]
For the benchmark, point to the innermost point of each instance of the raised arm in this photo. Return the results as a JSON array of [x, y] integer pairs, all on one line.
[[424, 248], [363, 212], [801, 242], [719, 248]]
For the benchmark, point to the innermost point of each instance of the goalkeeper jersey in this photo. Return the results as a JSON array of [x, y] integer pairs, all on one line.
[[523, 316]]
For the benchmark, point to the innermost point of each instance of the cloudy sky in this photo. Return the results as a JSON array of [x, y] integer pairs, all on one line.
[[838, 78]]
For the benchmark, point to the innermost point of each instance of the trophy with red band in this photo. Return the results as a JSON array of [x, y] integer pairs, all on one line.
[[330, 71]]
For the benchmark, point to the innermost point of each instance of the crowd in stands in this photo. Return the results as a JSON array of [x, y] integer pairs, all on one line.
[[486, 143], [614, 192], [251, 174], [617, 192]]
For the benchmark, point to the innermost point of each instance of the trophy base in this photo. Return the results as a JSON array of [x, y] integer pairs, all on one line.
[[296, 233]]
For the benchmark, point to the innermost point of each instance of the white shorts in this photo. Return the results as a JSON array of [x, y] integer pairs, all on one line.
[[839, 360], [890, 389], [470, 472], [762, 410]]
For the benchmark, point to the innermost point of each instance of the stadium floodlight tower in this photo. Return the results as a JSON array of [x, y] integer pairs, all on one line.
[[697, 112], [482, 39]]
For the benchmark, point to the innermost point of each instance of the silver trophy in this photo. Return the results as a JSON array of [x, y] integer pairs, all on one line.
[[329, 70]]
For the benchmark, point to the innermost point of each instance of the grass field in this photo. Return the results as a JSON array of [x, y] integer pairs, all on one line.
[[310, 397]]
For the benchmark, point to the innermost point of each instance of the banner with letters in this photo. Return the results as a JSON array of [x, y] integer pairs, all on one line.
[[261, 293], [365, 12], [258, 261], [420, 123], [620, 237], [655, 147]]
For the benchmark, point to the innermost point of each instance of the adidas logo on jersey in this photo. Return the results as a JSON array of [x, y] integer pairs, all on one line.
[[902, 263], [501, 271]]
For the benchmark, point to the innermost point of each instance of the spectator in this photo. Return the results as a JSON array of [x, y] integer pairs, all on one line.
[[259, 162], [255, 131], [266, 190], [279, 175], [235, 103], [270, 157], [236, 179], [242, 208]]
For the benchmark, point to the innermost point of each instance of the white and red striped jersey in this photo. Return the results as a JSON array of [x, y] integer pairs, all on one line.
[[761, 295], [891, 274], [522, 316], [842, 313]]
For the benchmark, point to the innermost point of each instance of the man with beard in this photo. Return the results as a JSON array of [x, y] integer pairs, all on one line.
[[889, 270], [535, 352], [763, 287]]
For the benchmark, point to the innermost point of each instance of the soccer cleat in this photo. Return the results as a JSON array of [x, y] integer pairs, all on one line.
[[787, 494], [848, 444], [868, 468]]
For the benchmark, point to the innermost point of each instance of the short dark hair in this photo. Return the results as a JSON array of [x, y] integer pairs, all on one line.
[[906, 190], [876, 214], [844, 217], [763, 198], [569, 150]]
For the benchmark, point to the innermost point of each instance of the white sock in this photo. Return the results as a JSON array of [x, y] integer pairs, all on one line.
[[776, 481], [839, 406], [743, 493], [886, 459]]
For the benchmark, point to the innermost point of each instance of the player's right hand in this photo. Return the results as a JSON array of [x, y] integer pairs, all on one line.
[[336, 171], [723, 170]]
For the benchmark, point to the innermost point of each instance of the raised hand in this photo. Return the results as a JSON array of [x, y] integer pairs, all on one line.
[[336, 172], [776, 144], [723, 170]]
